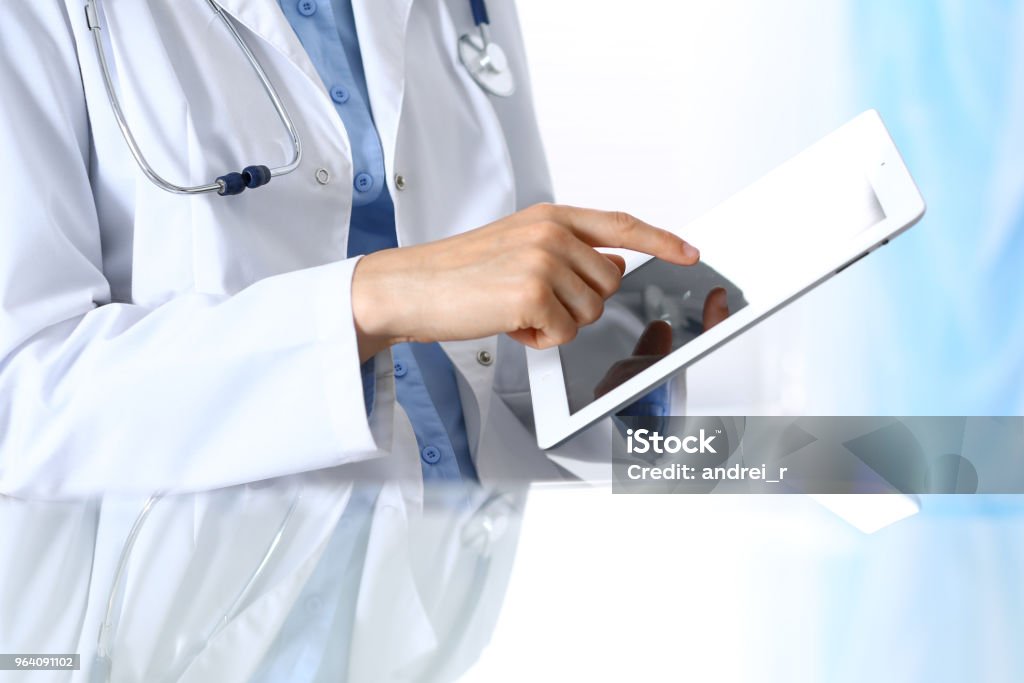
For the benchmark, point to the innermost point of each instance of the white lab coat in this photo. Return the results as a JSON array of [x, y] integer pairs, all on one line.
[[154, 341], [151, 340]]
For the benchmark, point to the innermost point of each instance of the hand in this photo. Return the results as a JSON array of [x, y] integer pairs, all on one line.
[[534, 275], [656, 342]]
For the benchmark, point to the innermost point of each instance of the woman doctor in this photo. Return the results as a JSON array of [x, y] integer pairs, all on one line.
[[158, 341], [153, 341]]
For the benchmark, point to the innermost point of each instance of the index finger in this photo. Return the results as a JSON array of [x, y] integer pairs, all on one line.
[[621, 230]]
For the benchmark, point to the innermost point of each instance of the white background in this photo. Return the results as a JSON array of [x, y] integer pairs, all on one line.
[[665, 109]]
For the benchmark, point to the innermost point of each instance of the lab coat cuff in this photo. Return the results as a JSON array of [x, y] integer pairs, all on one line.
[[362, 419]]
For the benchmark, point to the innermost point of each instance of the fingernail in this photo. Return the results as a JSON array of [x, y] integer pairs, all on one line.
[[691, 252]]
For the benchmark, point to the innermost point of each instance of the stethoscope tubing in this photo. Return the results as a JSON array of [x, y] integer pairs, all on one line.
[[93, 10], [103, 662], [257, 175]]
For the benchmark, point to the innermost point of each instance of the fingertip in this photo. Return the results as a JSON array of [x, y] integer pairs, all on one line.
[[691, 253], [716, 307]]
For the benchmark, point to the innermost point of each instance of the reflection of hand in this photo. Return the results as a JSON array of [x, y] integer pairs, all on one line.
[[656, 342]]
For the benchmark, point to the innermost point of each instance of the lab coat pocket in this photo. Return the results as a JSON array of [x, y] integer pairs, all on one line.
[[198, 111], [151, 90]]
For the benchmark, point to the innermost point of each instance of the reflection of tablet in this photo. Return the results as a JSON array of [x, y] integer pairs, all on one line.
[[788, 232]]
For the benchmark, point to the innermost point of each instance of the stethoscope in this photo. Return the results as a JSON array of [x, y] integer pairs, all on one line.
[[104, 657], [479, 534], [484, 60]]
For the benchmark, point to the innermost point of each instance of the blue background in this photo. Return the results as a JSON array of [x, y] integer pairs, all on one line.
[[949, 79]]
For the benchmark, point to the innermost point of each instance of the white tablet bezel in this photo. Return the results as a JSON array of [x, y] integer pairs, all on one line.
[[902, 206]]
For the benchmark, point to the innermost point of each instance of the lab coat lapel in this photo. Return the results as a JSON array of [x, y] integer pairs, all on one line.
[[266, 20], [381, 25]]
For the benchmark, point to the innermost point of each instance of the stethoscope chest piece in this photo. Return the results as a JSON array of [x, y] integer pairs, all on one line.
[[487, 64]]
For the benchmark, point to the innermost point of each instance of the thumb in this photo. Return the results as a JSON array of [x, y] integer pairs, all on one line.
[[655, 341]]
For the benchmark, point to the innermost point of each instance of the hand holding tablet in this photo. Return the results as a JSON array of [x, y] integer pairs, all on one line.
[[534, 275]]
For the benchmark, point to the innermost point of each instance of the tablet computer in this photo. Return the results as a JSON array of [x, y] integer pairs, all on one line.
[[796, 227]]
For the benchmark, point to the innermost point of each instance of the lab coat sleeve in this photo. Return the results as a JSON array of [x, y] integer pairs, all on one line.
[[96, 396]]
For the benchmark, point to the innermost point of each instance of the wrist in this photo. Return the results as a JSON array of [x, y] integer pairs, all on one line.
[[374, 308]]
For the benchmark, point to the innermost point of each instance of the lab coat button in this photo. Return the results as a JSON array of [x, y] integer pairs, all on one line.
[[339, 94], [363, 182], [399, 181], [484, 357], [430, 455], [400, 369], [307, 8], [323, 176]]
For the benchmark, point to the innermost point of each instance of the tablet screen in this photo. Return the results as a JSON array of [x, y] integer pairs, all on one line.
[[754, 248], [659, 308]]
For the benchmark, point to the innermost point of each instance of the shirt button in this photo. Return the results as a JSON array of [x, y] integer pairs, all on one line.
[[339, 94], [363, 182], [323, 176], [307, 8], [430, 455], [400, 369], [484, 357], [399, 182]]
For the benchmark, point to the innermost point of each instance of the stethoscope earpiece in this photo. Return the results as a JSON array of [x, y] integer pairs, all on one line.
[[484, 60], [229, 183]]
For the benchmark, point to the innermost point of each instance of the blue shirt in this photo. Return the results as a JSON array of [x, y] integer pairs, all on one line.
[[425, 381], [313, 642], [314, 639]]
